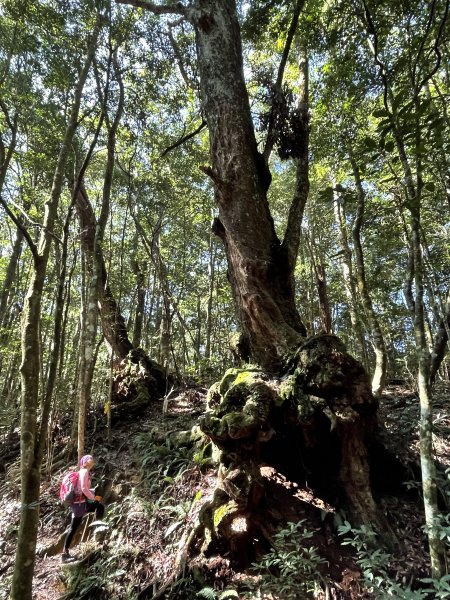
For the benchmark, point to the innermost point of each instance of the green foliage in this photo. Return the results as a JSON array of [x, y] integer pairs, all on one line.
[[374, 564], [164, 457], [207, 593], [100, 578], [292, 566]]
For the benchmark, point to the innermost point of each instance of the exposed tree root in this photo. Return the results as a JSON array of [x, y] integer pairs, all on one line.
[[251, 415]]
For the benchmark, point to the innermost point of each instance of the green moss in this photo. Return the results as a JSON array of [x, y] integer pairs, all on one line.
[[237, 376], [235, 396], [240, 424], [238, 406], [245, 378], [288, 390], [291, 392], [222, 511], [305, 408], [213, 396]]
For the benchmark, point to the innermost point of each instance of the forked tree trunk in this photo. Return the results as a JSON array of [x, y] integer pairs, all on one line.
[[321, 376], [259, 269], [260, 273]]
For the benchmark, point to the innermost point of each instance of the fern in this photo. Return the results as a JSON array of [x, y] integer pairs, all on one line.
[[208, 593], [291, 567]]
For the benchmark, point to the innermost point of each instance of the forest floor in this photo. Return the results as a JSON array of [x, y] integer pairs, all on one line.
[[155, 485]]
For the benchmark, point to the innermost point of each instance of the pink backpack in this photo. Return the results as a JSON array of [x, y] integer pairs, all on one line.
[[68, 490]]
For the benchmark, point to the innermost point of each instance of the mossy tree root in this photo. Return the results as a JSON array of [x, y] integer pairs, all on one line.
[[248, 408]]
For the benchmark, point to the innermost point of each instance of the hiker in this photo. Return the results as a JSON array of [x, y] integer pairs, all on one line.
[[85, 502]]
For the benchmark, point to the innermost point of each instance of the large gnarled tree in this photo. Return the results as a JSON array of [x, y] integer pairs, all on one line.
[[321, 383]]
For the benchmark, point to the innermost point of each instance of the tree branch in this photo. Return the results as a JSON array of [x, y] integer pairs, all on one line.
[[371, 30], [6, 113], [436, 48], [176, 9], [18, 223], [424, 38], [185, 138], [173, 42]]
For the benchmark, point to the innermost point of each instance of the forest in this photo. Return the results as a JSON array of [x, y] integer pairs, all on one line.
[[225, 274]]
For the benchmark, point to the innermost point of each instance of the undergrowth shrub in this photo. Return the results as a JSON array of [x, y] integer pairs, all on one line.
[[168, 458], [104, 578], [292, 567], [374, 564]]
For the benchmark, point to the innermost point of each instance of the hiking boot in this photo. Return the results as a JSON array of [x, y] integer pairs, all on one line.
[[65, 556]]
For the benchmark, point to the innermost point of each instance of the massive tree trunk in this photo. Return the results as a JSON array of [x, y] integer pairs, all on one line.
[[259, 270], [322, 377], [321, 382]]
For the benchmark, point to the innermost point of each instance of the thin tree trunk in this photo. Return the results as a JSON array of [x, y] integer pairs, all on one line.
[[113, 323], [413, 192], [379, 376], [153, 250], [164, 339], [349, 281], [9, 277], [292, 236], [97, 271], [209, 305], [440, 342], [321, 286], [426, 404], [32, 440], [141, 294]]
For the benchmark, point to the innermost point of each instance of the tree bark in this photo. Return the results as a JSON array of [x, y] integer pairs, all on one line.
[[260, 273], [141, 293], [440, 342], [379, 376], [259, 269], [321, 285], [209, 305], [9, 278], [113, 323], [348, 277]]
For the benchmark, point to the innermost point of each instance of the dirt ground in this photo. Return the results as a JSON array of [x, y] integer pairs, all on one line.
[[138, 552]]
